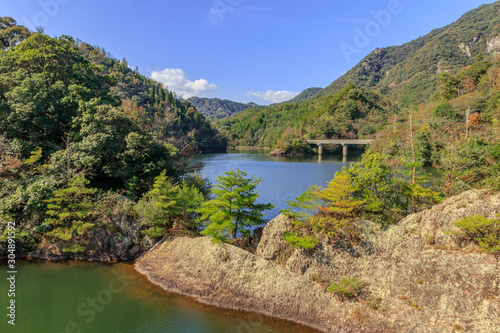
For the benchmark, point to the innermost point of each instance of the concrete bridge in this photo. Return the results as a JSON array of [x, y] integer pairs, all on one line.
[[343, 142]]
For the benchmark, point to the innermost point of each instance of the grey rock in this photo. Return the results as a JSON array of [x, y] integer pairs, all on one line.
[[425, 281]]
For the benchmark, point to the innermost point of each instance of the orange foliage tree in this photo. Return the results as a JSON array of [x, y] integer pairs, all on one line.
[[338, 198]]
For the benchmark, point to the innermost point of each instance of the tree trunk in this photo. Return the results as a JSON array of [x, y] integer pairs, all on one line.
[[450, 175], [414, 160]]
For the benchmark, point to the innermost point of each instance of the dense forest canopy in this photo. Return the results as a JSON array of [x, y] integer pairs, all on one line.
[[77, 124], [351, 113], [216, 108]]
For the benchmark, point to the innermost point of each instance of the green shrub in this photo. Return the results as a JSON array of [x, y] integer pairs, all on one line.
[[307, 242], [304, 206], [445, 110], [336, 229], [482, 231], [350, 287], [169, 205]]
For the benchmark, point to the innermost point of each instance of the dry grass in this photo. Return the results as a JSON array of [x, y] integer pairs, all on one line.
[[360, 315]]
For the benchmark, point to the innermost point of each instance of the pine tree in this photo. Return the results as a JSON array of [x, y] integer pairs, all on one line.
[[338, 197], [168, 205], [304, 206], [71, 214], [233, 209], [152, 94]]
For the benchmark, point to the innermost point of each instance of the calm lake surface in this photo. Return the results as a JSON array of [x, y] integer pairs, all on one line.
[[283, 178], [95, 297], [54, 298]]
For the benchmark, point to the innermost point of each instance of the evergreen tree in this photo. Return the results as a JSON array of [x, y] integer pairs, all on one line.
[[168, 205], [304, 206], [11, 33], [233, 209], [71, 214], [338, 197]]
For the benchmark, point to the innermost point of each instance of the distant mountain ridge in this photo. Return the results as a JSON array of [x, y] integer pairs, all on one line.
[[216, 108], [409, 73], [304, 95], [441, 75]]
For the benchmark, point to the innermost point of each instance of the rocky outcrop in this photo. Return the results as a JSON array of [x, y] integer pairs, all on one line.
[[278, 152], [493, 45], [119, 241], [416, 278], [425, 281], [465, 49], [227, 276]]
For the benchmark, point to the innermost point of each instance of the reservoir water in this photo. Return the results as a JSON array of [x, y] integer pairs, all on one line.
[[283, 178], [80, 297], [72, 297]]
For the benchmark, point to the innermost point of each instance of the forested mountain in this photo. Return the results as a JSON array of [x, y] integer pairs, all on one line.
[[410, 73], [454, 67], [304, 95], [171, 120], [353, 112], [216, 108]]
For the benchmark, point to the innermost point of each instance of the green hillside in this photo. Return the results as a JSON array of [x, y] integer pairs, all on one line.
[[353, 112], [169, 119], [409, 73], [216, 108], [389, 83], [304, 95], [80, 133]]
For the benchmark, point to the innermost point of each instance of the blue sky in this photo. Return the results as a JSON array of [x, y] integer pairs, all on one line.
[[263, 51]]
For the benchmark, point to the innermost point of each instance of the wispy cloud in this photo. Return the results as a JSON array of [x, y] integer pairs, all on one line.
[[175, 79], [273, 96]]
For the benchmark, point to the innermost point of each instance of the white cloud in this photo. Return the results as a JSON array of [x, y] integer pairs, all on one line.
[[175, 80], [273, 96]]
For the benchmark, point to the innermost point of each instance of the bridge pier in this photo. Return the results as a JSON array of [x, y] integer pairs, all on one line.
[[320, 149], [344, 149]]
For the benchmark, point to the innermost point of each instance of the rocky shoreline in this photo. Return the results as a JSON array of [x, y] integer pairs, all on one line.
[[120, 240], [416, 278], [226, 276]]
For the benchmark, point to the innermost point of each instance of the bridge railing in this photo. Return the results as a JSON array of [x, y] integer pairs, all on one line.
[[340, 141]]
